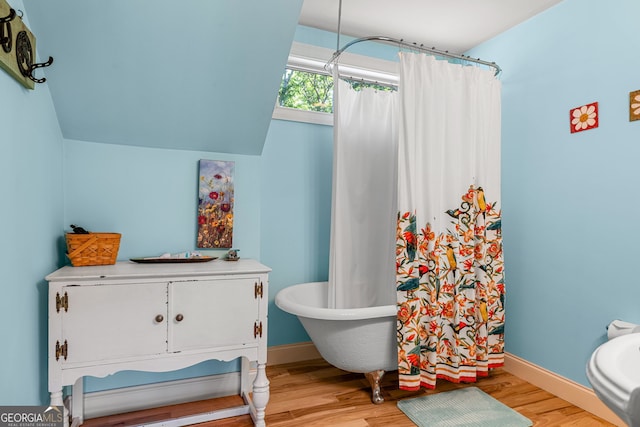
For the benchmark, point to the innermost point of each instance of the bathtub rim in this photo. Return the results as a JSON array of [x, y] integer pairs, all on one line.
[[284, 302]]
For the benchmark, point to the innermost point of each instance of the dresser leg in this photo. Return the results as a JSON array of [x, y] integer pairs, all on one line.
[[56, 400], [260, 395], [77, 400]]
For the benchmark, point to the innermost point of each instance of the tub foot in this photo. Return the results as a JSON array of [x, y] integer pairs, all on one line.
[[374, 378]]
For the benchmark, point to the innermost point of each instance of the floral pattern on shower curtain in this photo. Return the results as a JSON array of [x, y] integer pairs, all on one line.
[[449, 263], [451, 295]]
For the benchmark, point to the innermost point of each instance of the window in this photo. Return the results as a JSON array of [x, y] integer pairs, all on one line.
[[306, 89]]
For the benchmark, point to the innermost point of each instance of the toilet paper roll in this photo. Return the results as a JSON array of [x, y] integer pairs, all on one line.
[[618, 328]]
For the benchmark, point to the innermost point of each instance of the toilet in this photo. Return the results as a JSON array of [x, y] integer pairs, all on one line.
[[614, 372]]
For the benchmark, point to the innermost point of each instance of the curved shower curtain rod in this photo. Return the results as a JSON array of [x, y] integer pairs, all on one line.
[[414, 46]]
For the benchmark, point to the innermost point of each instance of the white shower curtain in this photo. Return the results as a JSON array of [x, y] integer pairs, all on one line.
[[449, 260], [433, 243], [364, 209]]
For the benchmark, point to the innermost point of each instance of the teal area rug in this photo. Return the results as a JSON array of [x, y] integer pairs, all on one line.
[[466, 407]]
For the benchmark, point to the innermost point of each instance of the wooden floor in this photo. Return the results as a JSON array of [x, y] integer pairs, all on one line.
[[313, 393]]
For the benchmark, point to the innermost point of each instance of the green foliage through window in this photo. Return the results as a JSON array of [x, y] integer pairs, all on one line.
[[306, 91], [309, 91]]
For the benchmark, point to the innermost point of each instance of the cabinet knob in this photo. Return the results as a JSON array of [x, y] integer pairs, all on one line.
[[159, 318], [179, 318]]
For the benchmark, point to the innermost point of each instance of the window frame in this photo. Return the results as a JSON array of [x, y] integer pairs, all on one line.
[[312, 59]]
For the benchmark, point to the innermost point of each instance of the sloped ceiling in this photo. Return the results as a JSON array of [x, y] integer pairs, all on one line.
[[191, 74], [204, 74]]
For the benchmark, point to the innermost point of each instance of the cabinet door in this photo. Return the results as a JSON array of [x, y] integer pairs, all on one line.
[[115, 321], [212, 313]]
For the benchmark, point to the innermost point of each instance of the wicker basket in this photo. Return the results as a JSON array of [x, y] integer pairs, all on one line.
[[92, 248]]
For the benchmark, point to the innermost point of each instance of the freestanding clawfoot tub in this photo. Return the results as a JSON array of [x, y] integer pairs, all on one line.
[[359, 340]]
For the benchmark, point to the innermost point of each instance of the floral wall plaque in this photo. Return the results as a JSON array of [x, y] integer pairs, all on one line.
[[215, 204], [634, 106], [584, 117]]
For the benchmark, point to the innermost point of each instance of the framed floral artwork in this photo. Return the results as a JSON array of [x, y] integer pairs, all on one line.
[[215, 204], [634, 105], [584, 117]]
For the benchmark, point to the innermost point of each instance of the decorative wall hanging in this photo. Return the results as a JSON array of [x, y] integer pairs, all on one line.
[[634, 105], [584, 117], [18, 53], [215, 204]]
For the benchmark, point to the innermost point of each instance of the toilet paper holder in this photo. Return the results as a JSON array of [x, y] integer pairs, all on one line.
[[618, 327]]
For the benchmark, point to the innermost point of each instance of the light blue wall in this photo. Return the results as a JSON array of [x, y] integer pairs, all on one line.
[[569, 201], [296, 214], [151, 196], [31, 217]]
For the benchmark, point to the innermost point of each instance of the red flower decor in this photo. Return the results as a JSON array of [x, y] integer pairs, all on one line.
[[584, 117]]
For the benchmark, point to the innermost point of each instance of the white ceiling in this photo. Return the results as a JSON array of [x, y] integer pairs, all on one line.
[[454, 25]]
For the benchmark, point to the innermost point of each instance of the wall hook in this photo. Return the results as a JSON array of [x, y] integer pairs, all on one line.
[[39, 65], [24, 55], [5, 31], [9, 18]]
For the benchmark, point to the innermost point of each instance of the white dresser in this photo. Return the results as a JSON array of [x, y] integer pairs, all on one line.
[[158, 317]]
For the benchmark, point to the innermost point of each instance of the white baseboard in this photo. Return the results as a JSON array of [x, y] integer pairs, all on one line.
[[574, 393]]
